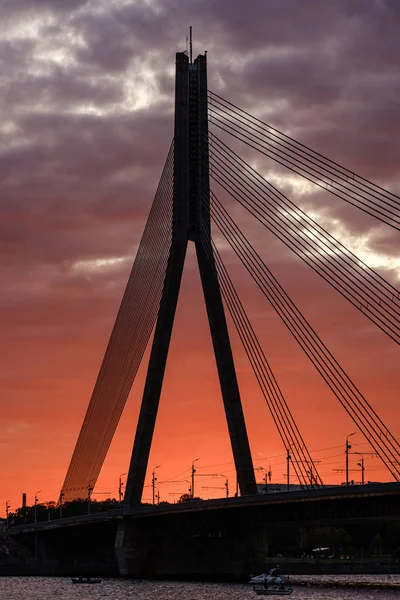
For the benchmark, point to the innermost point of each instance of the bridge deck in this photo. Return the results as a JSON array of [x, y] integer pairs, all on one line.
[[282, 501]]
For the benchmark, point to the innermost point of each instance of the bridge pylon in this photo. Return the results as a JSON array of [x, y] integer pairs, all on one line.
[[191, 222]]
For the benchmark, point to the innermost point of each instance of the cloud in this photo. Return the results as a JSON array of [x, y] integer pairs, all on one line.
[[86, 97]]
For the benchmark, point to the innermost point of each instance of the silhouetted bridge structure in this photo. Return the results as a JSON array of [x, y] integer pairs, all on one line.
[[230, 535]]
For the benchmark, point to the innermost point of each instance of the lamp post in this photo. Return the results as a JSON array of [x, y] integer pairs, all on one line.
[[120, 493], [193, 472], [36, 501], [153, 483], [36, 540], [226, 485], [61, 504], [90, 490], [347, 448], [265, 478], [288, 459], [7, 512], [361, 464]]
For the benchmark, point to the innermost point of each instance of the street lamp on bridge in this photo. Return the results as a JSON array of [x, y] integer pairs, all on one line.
[[153, 483], [193, 472], [36, 501], [61, 504], [265, 478], [361, 464], [90, 490], [7, 512], [120, 493], [288, 459], [347, 448]]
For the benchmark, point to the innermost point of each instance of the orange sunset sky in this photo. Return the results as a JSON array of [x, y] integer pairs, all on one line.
[[87, 99]]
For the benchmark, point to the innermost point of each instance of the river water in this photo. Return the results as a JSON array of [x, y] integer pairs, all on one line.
[[382, 587]]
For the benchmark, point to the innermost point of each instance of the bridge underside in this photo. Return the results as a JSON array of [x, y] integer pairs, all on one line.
[[220, 540]]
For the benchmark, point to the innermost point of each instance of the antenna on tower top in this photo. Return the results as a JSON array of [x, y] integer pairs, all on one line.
[[190, 45]]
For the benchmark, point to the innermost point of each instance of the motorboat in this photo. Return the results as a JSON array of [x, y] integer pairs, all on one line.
[[86, 579], [271, 584]]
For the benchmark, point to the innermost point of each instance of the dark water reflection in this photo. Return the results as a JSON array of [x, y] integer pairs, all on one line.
[[47, 588]]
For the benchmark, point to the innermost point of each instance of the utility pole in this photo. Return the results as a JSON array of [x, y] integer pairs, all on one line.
[[90, 490], [347, 448], [288, 459], [153, 482], [36, 540], [7, 512], [36, 501], [120, 492], [227, 488], [193, 472], [61, 504], [313, 479], [361, 464]]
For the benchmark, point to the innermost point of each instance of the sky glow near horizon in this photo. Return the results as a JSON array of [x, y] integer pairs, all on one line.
[[87, 101]]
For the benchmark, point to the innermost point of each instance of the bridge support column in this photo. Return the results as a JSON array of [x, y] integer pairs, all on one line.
[[133, 550], [182, 547]]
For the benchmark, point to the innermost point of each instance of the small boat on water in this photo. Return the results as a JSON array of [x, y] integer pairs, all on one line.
[[86, 579], [273, 591], [271, 584]]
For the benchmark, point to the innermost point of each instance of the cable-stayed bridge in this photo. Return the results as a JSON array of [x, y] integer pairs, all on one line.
[[199, 167], [199, 170]]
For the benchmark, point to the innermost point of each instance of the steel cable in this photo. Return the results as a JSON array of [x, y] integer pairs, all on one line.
[[354, 281], [345, 390], [341, 182], [129, 338], [277, 405]]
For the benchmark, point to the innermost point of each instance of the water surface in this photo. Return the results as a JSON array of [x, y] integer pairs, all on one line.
[[53, 588]]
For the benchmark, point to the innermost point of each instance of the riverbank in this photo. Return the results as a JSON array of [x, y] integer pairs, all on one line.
[[335, 566]]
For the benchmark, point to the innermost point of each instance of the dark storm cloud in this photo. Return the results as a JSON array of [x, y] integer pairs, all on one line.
[[61, 88], [79, 164], [18, 8], [78, 175]]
